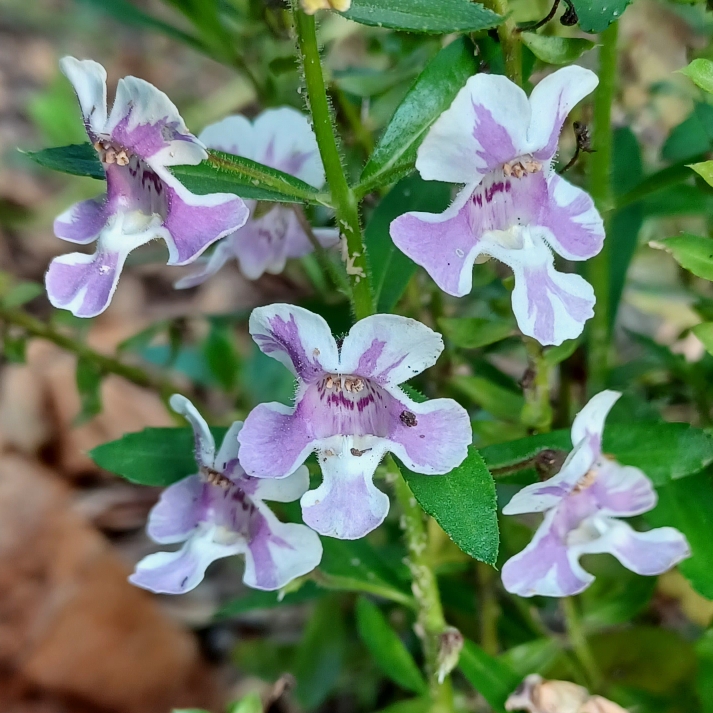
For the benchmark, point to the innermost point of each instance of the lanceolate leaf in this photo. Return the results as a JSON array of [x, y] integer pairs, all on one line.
[[154, 456], [556, 50], [664, 451], [463, 503], [694, 252], [221, 173], [700, 71], [432, 93], [493, 679], [597, 15], [440, 17], [391, 270], [386, 648]]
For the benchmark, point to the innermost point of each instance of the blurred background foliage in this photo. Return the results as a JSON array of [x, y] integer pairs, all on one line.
[[349, 651]]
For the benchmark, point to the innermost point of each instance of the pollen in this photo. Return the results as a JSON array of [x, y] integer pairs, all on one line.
[[521, 167], [110, 153]]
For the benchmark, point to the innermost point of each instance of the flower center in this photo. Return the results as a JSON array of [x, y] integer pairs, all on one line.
[[521, 166], [109, 152], [586, 481]]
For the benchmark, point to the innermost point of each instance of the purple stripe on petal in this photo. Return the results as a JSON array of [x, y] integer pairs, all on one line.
[[83, 284], [83, 222], [494, 138], [622, 491], [195, 225], [273, 441]]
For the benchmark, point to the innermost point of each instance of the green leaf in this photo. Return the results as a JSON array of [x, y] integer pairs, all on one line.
[[154, 456], [556, 50], [474, 332], [320, 657], [431, 94], [386, 648], [705, 333], [22, 293], [556, 355], [443, 17], [497, 400], [89, 380], [700, 71], [129, 14], [256, 599], [534, 656], [664, 451], [252, 703], [14, 347], [412, 705], [463, 503], [391, 270], [692, 137], [687, 505], [694, 252], [221, 173], [705, 170], [704, 677], [597, 15], [492, 678]]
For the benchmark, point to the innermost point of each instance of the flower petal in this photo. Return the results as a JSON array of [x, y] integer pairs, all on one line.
[[227, 458], [444, 244], [539, 497], [550, 306], [435, 440], [279, 552], [89, 81], [207, 266], [485, 126], [546, 567], [622, 490], [647, 553], [274, 441], [204, 442], [195, 222], [84, 284], [284, 140], [281, 490], [83, 222], [297, 338], [589, 422], [262, 244], [179, 572], [347, 505], [234, 135], [573, 227], [179, 511], [551, 101], [389, 349], [146, 122]]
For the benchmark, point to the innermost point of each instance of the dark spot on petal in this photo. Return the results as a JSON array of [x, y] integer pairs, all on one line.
[[408, 419]]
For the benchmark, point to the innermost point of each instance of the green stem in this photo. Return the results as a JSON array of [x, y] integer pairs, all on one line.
[[431, 623], [580, 645], [108, 365], [339, 583], [600, 188], [345, 202], [509, 41], [537, 412], [489, 609]]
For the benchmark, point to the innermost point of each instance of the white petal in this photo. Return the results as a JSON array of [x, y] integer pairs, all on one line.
[[485, 126], [89, 81], [204, 442], [234, 134], [282, 490], [590, 420]]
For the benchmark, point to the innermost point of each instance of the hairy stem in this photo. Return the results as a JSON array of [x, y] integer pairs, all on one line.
[[345, 202], [509, 41], [430, 622], [537, 412], [600, 188], [108, 365]]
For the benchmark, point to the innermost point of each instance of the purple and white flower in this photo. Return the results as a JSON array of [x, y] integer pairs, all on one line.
[[350, 410], [582, 504], [282, 139], [513, 207], [219, 512], [137, 143]]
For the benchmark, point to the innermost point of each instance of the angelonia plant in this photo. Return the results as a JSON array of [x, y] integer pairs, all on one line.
[[389, 426]]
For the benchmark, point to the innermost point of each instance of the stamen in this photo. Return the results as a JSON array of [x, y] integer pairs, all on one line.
[[110, 153], [522, 166], [585, 481], [215, 477]]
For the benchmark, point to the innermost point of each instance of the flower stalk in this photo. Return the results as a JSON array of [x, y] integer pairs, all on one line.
[[430, 622], [600, 190], [344, 200]]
